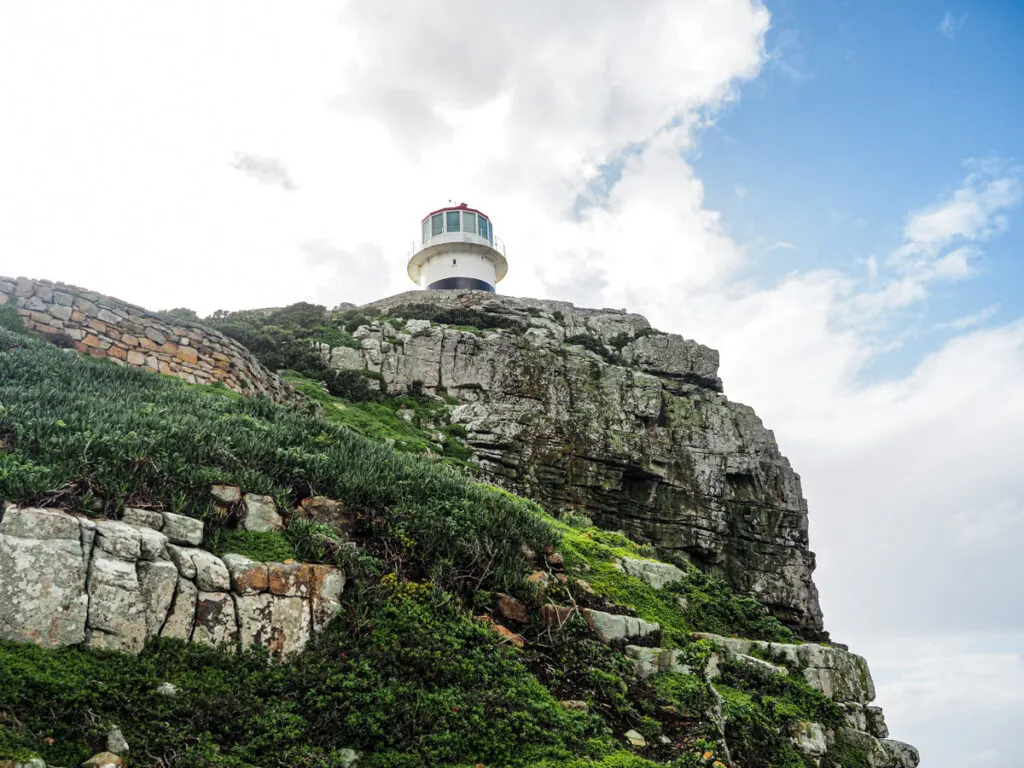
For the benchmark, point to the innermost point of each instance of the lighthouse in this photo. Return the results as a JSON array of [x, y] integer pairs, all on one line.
[[457, 250]]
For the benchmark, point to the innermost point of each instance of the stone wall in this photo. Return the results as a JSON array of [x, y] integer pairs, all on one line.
[[66, 580], [106, 327]]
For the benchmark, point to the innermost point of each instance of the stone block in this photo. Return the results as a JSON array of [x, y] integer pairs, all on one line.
[[180, 529], [60, 311], [215, 619], [261, 514], [43, 596], [326, 585], [117, 613], [182, 613], [62, 299], [143, 518], [226, 494], [182, 559], [511, 608], [289, 579], [119, 539], [211, 573], [247, 576], [157, 583]]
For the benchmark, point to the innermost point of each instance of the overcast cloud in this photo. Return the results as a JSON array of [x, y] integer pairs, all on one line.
[[133, 135]]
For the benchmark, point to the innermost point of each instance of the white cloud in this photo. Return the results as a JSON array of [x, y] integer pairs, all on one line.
[[951, 24], [266, 170], [969, 321]]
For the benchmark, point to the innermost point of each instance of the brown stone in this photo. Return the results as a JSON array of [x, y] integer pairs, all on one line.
[[117, 353], [555, 559], [169, 348], [147, 344], [511, 608], [325, 510], [165, 367], [540, 578], [77, 316], [136, 358], [289, 579], [575, 704], [187, 355], [97, 326], [131, 341], [517, 640], [93, 342]]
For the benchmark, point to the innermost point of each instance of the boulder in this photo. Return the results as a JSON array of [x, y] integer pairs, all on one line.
[[182, 530], [117, 610], [157, 583], [657, 575], [610, 628], [226, 494], [143, 518], [261, 514], [247, 576]]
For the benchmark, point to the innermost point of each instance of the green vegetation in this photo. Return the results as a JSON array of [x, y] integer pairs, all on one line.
[[95, 437], [711, 606], [405, 674]]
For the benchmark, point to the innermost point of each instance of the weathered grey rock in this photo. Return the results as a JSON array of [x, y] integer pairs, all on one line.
[[117, 612], [609, 627], [119, 539], [211, 573], [215, 619], [809, 739], [143, 518], [326, 585], [900, 755], [839, 674], [183, 530], [261, 514], [634, 739], [157, 582], [282, 624], [640, 436], [104, 760], [182, 613], [116, 742], [657, 575], [43, 570], [226, 494], [182, 559]]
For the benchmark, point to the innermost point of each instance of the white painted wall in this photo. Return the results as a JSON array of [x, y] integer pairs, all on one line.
[[456, 263]]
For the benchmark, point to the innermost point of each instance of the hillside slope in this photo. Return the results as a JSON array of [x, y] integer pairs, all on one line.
[[477, 628]]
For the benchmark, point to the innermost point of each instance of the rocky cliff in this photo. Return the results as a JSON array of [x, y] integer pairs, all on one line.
[[595, 411]]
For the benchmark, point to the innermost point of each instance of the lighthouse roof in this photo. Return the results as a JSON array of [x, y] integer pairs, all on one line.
[[459, 207]]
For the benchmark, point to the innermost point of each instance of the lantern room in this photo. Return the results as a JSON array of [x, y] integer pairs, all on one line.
[[457, 250]]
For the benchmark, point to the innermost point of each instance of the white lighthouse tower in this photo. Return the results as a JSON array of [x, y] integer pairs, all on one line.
[[458, 250]]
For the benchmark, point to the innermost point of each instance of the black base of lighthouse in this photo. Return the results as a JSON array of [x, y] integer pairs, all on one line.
[[461, 284]]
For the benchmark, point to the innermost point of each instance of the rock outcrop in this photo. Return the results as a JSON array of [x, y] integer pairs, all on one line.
[[838, 674], [113, 584], [102, 326], [594, 411]]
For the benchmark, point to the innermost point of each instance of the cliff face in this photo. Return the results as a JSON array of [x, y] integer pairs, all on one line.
[[594, 411]]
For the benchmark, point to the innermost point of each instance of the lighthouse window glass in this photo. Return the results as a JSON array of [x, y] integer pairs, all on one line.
[[436, 224], [426, 230], [468, 222], [483, 228], [452, 225]]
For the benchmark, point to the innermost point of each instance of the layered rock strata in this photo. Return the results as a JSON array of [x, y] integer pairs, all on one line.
[[126, 334], [595, 411], [66, 580]]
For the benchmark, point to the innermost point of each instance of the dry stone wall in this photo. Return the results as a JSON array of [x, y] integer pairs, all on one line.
[[68, 580], [127, 334]]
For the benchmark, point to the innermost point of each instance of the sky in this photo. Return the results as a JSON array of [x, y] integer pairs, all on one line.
[[829, 192]]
